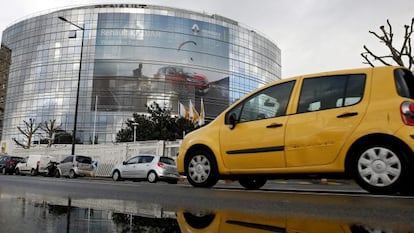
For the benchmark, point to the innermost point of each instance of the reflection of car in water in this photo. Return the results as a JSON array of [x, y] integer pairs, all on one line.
[[179, 75], [228, 221]]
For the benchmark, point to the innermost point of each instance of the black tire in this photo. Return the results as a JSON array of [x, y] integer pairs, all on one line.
[[381, 168], [200, 220], [72, 174], [201, 169], [252, 183], [116, 176], [152, 177]]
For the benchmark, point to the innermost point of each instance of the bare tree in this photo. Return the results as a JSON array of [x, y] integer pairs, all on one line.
[[402, 56], [50, 129], [28, 132]]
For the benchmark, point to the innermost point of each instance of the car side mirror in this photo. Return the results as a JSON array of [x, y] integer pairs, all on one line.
[[232, 120], [124, 162]]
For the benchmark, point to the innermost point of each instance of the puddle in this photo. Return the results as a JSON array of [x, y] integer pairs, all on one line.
[[45, 213]]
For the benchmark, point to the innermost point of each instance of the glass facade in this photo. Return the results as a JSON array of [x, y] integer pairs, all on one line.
[[132, 55]]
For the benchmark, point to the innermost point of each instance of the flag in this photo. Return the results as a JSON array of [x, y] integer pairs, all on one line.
[[193, 112], [202, 114], [183, 111]]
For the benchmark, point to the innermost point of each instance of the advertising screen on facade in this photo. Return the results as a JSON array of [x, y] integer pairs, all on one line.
[[143, 58]]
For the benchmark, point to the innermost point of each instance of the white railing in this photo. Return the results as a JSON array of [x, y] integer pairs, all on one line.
[[107, 155]]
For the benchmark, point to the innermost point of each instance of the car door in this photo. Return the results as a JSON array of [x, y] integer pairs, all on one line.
[[129, 169], [253, 134], [24, 167], [66, 165], [143, 165], [329, 109]]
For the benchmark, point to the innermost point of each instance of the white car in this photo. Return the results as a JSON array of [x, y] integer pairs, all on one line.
[[34, 165], [146, 166]]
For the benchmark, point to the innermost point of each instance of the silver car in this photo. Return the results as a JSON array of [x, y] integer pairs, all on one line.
[[149, 167], [76, 165]]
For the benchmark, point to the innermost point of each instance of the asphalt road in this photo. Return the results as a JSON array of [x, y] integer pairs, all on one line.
[[332, 200]]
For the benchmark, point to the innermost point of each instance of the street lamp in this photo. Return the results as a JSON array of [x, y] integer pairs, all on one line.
[[135, 124], [79, 77]]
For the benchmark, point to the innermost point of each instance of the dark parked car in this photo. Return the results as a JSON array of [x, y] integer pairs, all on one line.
[[8, 163]]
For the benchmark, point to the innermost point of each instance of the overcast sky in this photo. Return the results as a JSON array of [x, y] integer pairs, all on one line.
[[314, 35]]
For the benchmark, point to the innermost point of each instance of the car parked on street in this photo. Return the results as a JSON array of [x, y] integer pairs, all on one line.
[[8, 164], [356, 123], [146, 166], [34, 165], [76, 165]]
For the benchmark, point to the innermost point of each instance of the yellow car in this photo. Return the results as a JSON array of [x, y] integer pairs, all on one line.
[[345, 124], [233, 221]]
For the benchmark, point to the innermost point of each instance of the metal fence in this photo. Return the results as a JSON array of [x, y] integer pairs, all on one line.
[[107, 155]]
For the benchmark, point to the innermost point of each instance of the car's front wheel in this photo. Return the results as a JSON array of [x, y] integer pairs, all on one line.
[[201, 169], [116, 176], [152, 177], [252, 183], [381, 169], [72, 174]]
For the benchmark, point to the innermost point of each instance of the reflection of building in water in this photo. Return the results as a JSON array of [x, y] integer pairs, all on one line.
[[60, 214], [125, 55]]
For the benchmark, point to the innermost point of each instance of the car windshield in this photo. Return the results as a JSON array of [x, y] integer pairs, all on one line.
[[83, 159], [167, 160]]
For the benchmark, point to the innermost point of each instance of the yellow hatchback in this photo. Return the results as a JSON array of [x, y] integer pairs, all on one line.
[[345, 124]]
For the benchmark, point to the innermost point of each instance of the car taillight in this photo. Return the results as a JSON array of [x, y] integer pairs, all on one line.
[[160, 164], [10, 162], [407, 113]]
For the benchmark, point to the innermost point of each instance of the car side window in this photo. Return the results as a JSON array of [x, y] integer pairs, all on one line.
[[329, 92], [268, 103], [133, 160], [68, 159], [146, 159]]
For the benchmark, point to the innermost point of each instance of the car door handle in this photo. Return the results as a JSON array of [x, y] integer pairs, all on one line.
[[347, 114], [274, 125]]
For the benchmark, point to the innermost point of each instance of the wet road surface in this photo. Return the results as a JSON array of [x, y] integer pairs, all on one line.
[[39, 204]]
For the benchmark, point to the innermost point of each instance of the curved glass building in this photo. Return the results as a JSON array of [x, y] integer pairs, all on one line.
[[112, 60]]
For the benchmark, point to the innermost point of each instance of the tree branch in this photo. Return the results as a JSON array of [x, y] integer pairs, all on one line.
[[376, 57]]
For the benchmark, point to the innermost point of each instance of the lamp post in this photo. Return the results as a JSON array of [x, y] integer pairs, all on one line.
[[78, 87], [135, 124]]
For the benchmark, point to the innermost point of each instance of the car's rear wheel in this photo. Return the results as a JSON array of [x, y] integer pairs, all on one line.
[[72, 174], [201, 169], [152, 177], [116, 176], [381, 169], [252, 183]]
